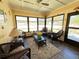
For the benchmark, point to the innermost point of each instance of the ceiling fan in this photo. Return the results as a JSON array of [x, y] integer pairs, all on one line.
[[38, 2], [43, 3]]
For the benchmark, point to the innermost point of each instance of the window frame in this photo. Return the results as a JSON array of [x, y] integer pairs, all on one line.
[[62, 20], [4, 16], [27, 21], [74, 43], [44, 22], [51, 22]]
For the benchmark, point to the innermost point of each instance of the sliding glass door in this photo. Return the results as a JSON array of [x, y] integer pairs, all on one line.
[[73, 28]]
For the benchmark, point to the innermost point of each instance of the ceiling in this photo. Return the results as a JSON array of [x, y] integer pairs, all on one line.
[[36, 5]]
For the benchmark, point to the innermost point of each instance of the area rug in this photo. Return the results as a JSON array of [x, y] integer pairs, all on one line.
[[45, 52]]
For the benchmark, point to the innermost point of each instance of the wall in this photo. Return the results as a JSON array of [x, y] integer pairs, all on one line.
[[27, 13], [65, 10], [8, 24]]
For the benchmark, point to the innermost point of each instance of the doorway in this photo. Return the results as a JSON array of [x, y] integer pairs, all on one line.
[[72, 29]]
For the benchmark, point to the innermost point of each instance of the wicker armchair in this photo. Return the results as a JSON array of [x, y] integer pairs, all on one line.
[[56, 36]]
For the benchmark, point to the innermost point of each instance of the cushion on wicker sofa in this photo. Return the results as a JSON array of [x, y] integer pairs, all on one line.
[[20, 48]]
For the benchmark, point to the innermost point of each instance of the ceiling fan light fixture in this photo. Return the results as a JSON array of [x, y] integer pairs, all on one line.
[[46, 4]]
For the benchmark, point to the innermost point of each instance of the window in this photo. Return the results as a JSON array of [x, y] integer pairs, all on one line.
[[74, 21], [57, 23], [49, 23], [1, 17], [41, 22], [73, 34], [22, 23], [32, 24]]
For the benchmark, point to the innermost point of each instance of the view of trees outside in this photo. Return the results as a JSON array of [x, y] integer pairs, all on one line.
[[22, 23], [32, 24], [57, 23], [73, 34], [74, 21], [41, 22], [49, 23]]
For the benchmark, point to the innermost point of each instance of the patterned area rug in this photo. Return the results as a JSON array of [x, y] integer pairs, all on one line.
[[45, 52]]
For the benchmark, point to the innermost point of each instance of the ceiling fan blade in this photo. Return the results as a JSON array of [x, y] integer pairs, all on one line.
[[60, 2], [28, 2], [38, 1], [46, 4]]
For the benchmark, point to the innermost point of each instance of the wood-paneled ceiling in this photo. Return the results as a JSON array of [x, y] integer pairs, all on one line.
[[38, 5]]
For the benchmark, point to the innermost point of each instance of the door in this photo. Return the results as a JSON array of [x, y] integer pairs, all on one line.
[[72, 29]]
